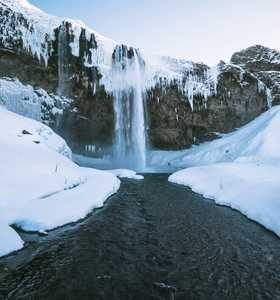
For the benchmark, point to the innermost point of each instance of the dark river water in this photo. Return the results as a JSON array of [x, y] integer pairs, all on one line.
[[152, 240]]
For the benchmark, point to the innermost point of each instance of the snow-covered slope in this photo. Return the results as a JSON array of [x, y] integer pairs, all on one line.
[[36, 28], [258, 141], [241, 170], [41, 188]]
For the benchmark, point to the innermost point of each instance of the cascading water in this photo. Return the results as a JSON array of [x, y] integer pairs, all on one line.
[[130, 130], [62, 59], [138, 117]]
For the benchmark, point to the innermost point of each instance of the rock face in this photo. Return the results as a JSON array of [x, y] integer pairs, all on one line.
[[265, 64], [90, 116], [185, 102], [238, 99]]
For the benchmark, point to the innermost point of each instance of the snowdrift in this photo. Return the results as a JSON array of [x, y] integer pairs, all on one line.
[[41, 188], [240, 170], [258, 140]]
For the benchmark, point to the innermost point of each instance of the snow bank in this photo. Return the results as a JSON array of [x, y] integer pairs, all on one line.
[[258, 141], [244, 170], [40, 187], [125, 173], [73, 203], [250, 188]]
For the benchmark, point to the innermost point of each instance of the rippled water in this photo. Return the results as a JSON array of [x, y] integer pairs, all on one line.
[[153, 240]]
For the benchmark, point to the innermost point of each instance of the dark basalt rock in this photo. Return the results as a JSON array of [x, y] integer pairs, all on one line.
[[170, 118], [26, 132], [264, 63], [173, 124], [90, 118], [257, 58]]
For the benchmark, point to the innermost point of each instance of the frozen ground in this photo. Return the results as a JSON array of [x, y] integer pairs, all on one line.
[[240, 170], [41, 188], [125, 173]]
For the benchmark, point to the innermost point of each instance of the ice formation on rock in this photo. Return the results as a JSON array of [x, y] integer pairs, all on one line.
[[33, 103]]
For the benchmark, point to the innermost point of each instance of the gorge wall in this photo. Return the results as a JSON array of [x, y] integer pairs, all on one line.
[[97, 92]]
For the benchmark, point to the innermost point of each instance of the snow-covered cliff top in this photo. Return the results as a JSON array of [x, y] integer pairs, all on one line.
[[23, 6], [25, 24], [240, 170], [257, 55], [37, 32], [39, 28]]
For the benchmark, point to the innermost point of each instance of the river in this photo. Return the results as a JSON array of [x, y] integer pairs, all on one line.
[[152, 240]]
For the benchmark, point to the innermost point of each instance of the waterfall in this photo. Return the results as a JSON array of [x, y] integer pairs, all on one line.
[[130, 129], [62, 59], [138, 118]]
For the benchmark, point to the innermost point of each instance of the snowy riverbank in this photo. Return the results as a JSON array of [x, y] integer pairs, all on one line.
[[41, 188], [240, 170]]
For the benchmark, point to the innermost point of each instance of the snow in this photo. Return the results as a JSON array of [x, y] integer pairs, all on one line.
[[106, 164], [240, 170], [259, 54], [41, 188], [38, 36], [125, 173], [193, 80], [75, 202], [20, 98], [27, 101], [10, 240], [161, 71], [39, 33], [164, 71], [258, 141]]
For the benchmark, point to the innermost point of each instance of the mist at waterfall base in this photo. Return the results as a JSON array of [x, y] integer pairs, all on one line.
[[157, 161]]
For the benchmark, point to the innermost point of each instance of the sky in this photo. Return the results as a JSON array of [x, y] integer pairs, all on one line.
[[198, 30]]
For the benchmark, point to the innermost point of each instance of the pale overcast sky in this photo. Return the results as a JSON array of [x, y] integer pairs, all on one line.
[[199, 30]]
